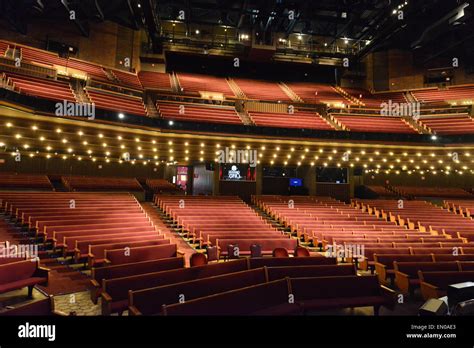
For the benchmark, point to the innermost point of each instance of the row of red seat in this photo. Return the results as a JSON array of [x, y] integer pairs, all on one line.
[[116, 101], [154, 80], [456, 124], [161, 185], [420, 191], [421, 215], [374, 100], [223, 221], [198, 113], [463, 207], [381, 190], [127, 79], [367, 123], [24, 181], [93, 70], [262, 90], [91, 183], [42, 88], [195, 83], [443, 96], [298, 119], [85, 225], [323, 221]]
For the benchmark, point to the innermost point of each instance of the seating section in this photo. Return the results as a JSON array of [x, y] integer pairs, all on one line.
[[90, 183], [198, 113], [233, 223], [42, 88], [161, 186], [463, 207], [375, 100], [127, 79], [150, 301], [116, 101], [154, 80], [25, 181], [443, 96], [94, 71], [262, 90], [424, 216], [447, 125], [363, 123], [381, 190], [299, 119], [78, 221], [418, 191], [195, 83], [311, 92], [324, 221]]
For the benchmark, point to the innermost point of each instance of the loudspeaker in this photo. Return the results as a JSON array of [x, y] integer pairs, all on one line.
[[464, 308], [433, 307], [460, 292]]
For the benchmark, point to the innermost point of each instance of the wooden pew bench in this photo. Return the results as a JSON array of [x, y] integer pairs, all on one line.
[[265, 299], [324, 293], [129, 255], [150, 301], [406, 273], [435, 284], [26, 273], [130, 269], [384, 264], [115, 291], [96, 253]]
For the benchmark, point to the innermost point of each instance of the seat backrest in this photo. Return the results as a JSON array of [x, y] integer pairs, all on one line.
[[445, 278], [275, 273], [198, 259], [14, 271], [128, 269], [412, 268], [291, 261], [280, 252], [129, 255], [333, 287], [42, 307], [301, 252]]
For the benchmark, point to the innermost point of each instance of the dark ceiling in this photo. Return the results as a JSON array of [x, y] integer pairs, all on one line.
[[433, 28]]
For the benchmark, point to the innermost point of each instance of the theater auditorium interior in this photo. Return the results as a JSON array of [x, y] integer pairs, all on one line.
[[241, 157]]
